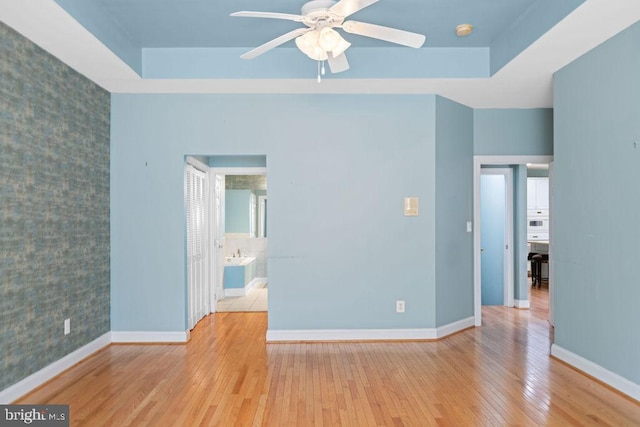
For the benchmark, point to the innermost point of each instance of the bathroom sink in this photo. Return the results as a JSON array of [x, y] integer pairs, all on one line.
[[243, 260]]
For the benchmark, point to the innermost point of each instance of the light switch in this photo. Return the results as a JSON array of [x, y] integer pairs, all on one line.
[[410, 206], [469, 227]]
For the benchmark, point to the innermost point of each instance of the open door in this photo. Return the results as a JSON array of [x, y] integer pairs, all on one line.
[[496, 236]]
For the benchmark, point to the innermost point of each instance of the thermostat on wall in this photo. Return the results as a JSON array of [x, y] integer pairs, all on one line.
[[410, 206]]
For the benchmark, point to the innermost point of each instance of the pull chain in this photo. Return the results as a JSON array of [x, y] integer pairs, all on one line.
[[319, 78]]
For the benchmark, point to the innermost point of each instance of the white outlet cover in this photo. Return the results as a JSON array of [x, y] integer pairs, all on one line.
[[67, 326], [400, 306]]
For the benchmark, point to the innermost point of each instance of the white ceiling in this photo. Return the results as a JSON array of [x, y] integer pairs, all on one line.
[[525, 82]]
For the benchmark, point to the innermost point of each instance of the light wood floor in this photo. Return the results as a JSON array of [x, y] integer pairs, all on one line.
[[498, 374]]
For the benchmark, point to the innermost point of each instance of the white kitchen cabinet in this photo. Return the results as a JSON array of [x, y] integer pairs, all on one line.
[[538, 196]]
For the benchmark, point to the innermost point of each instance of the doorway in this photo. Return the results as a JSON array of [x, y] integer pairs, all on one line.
[[240, 238], [518, 266]]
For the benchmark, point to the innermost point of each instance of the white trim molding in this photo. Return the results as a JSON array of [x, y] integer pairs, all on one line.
[[202, 167], [159, 337], [522, 303], [368, 334], [612, 379], [455, 327], [19, 389]]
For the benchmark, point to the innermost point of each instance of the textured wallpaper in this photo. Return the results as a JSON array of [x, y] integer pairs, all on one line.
[[54, 208]]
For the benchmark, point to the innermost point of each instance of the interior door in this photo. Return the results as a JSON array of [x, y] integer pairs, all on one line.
[[197, 244], [492, 237]]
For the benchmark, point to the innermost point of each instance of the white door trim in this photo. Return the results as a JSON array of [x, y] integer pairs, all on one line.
[[551, 264], [478, 161], [216, 240]]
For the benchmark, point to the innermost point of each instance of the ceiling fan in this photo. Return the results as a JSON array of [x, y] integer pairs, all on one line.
[[319, 40]]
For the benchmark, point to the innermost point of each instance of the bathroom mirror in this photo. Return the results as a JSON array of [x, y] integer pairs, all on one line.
[[246, 206]]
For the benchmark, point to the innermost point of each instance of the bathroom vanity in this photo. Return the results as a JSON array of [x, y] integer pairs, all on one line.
[[239, 275]]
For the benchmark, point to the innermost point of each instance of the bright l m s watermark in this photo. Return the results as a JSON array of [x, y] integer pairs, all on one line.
[[34, 415]]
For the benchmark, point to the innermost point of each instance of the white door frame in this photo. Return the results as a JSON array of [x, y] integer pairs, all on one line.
[[551, 264], [216, 248], [478, 162], [507, 274], [225, 171]]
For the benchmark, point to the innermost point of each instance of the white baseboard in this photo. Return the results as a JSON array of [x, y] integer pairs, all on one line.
[[19, 389], [240, 292], [520, 303], [159, 337], [452, 328], [612, 379], [368, 334]]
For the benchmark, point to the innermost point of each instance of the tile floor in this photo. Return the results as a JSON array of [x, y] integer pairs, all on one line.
[[255, 300]]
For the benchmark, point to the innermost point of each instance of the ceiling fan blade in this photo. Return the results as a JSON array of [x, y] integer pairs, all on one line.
[[345, 8], [274, 43], [337, 64], [273, 15], [392, 35]]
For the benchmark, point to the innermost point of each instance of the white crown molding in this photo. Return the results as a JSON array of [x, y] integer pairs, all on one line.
[[612, 379], [284, 335], [158, 337], [19, 389]]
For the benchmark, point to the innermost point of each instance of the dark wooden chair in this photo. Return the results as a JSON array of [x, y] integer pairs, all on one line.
[[536, 267]]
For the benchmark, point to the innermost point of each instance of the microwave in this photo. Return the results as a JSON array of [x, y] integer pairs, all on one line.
[[538, 224], [538, 228]]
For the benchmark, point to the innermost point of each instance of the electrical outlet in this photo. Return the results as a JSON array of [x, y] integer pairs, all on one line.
[[400, 306], [67, 326]]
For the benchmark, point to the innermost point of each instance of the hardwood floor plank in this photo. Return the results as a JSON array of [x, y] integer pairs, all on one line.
[[497, 374]]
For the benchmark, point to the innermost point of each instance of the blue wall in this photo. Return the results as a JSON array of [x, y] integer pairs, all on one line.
[[520, 278], [513, 132], [596, 205], [333, 243], [255, 161], [454, 207]]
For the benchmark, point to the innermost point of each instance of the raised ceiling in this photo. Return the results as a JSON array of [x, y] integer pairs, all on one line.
[[195, 46], [199, 38]]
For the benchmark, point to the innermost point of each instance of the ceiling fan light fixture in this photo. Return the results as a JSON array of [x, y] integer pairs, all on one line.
[[308, 44], [342, 46], [329, 39]]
